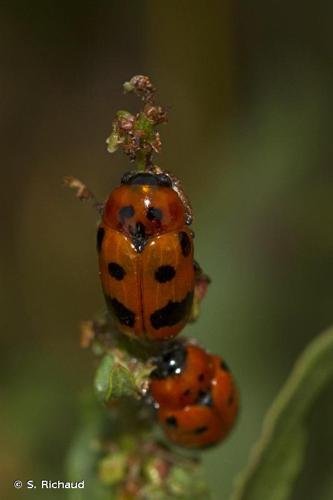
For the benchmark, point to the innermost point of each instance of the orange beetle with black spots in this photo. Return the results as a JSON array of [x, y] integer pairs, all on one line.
[[205, 420], [146, 257]]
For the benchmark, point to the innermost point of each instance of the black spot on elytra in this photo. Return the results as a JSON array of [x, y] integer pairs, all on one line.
[[230, 399], [185, 243], [205, 399], [139, 238], [171, 421], [187, 392], [172, 313], [154, 214], [165, 273], [126, 213], [224, 366], [170, 363], [100, 237], [116, 271], [201, 377], [200, 430], [123, 315]]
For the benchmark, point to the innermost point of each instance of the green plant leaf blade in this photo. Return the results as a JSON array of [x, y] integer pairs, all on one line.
[[102, 377], [122, 382], [278, 455], [113, 380]]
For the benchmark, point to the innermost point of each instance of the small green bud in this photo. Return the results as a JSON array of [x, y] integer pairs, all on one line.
[[112, 142], [187, 482], [128, 87], [112, 468], [102, 377], [155, 470]]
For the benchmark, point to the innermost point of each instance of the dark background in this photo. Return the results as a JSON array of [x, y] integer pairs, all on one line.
[[249, 85]]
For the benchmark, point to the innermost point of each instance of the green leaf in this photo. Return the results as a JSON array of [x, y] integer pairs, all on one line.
[[278, 456], [122, 383], [112, 380], [102, 377]]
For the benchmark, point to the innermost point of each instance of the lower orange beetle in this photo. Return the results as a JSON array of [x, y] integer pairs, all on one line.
[[195, 395], [146, 256]]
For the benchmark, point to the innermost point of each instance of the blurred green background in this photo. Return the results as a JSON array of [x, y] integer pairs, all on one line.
[[249, 85]]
